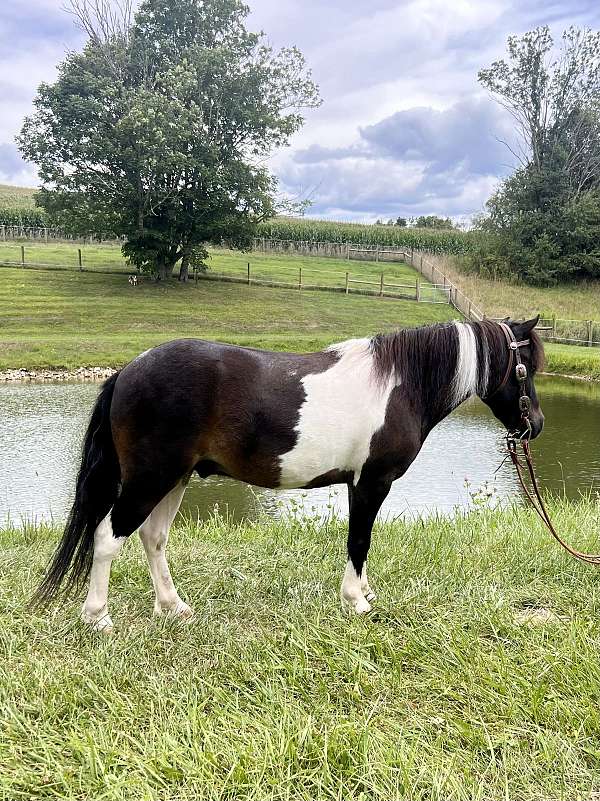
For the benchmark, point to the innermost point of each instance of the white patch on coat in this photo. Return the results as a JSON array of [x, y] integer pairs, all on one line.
[[344, 406], [141, 355], [464, 383]]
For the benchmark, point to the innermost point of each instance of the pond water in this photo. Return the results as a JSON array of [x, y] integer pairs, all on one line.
[[41, 427]]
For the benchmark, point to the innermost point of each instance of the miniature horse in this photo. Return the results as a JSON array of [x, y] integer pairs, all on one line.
[[356, 413]]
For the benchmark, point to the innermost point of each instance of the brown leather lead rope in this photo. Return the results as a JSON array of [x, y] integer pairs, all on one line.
[[538, 503]]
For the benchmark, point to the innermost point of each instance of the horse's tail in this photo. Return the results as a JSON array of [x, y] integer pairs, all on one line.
[[95, 493]]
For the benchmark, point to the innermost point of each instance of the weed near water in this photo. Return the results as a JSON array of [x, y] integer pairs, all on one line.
[[476, 677]]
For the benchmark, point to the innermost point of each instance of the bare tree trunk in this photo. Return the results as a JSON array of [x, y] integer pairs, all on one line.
[[184, 268], [162, 270]]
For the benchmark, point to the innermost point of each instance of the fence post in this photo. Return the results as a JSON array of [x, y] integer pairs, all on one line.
[[381, 286], [46, 235], [23, 255], [248, 273], [417, 290], [79, 259], [347, 281], [299, 277], [377, 255], [3, 232], [590, 333], [553, 326]]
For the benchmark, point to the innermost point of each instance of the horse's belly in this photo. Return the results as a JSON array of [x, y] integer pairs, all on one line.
[[322, 451]]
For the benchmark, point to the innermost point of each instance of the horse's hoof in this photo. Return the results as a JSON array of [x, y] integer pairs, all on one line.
[[359, 606], [100, 625], [179, 610]]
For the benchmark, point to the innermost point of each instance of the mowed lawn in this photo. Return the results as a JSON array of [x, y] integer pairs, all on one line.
[[476, 677], [72, 319]]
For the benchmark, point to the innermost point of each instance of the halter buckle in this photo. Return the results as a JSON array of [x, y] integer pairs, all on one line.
[[521, 372], [525, 404]]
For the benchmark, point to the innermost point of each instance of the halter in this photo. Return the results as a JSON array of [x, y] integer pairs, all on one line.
[[520, 374], [514, 354], [533, 495]]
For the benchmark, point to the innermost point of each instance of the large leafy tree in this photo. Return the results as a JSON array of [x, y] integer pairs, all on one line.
[[159, 130], [544, 220], [553, 95]]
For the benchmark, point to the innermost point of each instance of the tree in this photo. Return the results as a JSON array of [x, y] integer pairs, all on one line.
[[543, 223], [554, 98], [401, 222], [433, 221], [158, 131]]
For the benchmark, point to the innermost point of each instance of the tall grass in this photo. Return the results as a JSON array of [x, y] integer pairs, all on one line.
[[305, 230], [476, 677]]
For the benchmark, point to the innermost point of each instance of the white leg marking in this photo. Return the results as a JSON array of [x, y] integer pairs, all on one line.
[[154, 534], [95, 607], [364, 585], [352, 592]]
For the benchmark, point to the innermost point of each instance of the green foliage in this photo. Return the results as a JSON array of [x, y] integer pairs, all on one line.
[[543, 224], [306, 230], [433, 221], [158, 130]]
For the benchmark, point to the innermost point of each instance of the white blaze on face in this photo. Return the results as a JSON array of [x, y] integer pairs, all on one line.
[[343, 408], [465, 379]]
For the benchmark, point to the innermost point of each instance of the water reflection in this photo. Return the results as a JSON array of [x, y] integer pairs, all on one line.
[[42, 426]]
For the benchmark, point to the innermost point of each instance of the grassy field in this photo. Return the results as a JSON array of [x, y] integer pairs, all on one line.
[[264, 266], [69, 319], [579, 301], [476, 677]]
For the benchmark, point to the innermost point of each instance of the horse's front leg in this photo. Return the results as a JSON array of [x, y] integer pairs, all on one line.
[[365, 500]]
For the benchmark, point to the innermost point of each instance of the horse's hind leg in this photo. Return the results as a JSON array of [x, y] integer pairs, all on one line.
[[135, 503], [106, 547], [154, 534]]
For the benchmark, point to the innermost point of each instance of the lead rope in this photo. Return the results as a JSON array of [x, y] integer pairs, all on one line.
[[512, 439], [538, 503]]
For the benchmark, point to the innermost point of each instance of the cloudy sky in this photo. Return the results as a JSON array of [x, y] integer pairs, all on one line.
[[404, 128]]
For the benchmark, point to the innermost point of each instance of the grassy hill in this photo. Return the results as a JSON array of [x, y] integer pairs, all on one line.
[[72, 319], [16, 197]]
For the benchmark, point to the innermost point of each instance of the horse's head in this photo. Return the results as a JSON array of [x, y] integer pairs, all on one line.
[[516, 356]]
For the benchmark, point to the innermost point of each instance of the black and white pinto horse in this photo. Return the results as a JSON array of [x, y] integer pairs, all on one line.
[[356, 413]]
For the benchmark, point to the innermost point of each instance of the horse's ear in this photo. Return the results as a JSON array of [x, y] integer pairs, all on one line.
[[529, 325]]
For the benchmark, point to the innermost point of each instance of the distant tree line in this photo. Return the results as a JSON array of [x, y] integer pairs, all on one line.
[[428, 221]]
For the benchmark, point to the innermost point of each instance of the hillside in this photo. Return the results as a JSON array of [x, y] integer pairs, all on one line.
[[16, 197]]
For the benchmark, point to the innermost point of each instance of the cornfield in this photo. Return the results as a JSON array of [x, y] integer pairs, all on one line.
[[304, 230]]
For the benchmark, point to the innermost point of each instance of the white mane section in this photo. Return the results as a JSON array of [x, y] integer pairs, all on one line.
[[465, 382], [344, 406]]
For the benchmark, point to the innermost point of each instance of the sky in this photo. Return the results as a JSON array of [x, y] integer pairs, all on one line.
[[404, 128]]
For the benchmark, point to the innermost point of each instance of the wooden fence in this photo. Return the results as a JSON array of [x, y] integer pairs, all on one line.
[[334, 281]]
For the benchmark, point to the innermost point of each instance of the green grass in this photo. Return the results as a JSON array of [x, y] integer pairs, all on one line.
[[69, 319], [444, 693], [578, 301], [573, 360]]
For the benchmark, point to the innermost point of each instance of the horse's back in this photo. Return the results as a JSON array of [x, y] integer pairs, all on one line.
[[212, 407]]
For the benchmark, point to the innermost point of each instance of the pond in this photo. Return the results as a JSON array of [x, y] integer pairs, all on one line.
[[42, 426]]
